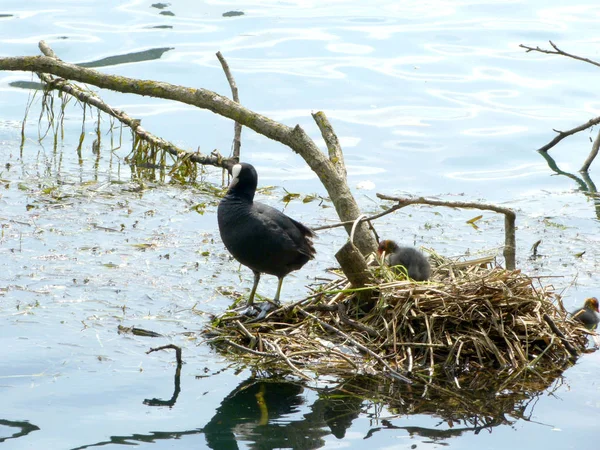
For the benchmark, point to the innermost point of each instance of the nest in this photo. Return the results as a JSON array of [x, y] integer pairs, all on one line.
[[470, 318]]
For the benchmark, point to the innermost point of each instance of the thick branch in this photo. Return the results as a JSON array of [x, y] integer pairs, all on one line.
[[509, 219], [295, 138], [336, 155]]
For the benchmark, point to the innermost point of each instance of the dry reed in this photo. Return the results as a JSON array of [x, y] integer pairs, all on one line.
[[471, 318]]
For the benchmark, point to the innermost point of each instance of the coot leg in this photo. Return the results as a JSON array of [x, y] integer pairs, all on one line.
[[276, 299], [253, 291]]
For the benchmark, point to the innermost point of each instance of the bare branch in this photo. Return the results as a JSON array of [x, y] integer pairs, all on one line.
[[509, 219], [237, 135], [336, 155], [364, 219], [564, 134], [558, 51], [588, 162]]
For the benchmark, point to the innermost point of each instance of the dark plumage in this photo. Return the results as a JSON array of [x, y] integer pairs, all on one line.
[[260, 237], [587, 314], [413, 260]]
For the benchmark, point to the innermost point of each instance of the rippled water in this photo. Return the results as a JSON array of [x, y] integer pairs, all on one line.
[[428, 97]]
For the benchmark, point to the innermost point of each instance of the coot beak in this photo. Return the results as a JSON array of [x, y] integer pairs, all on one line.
[[234, 181], [235, 175]]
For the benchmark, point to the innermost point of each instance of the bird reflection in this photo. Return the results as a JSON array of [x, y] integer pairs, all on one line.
[[255, 413]]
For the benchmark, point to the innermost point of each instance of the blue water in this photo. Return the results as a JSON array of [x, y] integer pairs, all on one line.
[[428, 98]]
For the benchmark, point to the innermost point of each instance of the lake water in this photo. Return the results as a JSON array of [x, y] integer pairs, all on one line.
[[428, 98]]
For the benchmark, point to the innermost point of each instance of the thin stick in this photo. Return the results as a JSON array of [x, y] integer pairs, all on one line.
[[366, 219], [564, 134], [358, 345], [558, 51], [562, 337], [171, 347], [354, 225], [237, 134], [588, 162], [509, 219], [288, 362], [241, 347]]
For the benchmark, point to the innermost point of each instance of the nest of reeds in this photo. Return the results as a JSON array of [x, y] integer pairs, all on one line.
[[471, 316]]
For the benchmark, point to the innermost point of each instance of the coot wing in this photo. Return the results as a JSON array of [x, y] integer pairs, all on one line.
[[288, 234]]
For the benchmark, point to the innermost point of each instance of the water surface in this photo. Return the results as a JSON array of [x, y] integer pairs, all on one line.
[[428, 98]]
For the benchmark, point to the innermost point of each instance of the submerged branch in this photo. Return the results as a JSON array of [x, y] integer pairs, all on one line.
[[563, 134], [588, 161]]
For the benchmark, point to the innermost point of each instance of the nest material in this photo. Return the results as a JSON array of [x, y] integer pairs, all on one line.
[[471, 316]]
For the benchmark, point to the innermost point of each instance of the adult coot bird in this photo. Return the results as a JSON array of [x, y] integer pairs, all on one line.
[[415, 262], [587, 314], [260, 237]]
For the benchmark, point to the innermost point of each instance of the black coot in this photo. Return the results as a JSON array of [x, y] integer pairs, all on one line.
[[260, 237], [415, 262], [587, 314]]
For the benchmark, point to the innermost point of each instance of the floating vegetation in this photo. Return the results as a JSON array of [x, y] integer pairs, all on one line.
[[474, 322]]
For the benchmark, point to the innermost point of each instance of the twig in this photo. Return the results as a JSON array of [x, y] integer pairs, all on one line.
[[287, 361], [588, 161], [588, 124], [170, 346], [237, 135], [559, 333], [241, 347], [358, 345], [365, 219], [246, 333], [558, 51], [359, 326], [509, 219], [564, 134]]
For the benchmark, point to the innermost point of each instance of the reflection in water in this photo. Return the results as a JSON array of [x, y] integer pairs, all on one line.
[[255, 412], [267, 413], [177, 389], [25, 428], [146, 55], [584, 181]]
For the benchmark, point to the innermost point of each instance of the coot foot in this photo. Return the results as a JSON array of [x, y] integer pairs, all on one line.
[[260, 310]]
